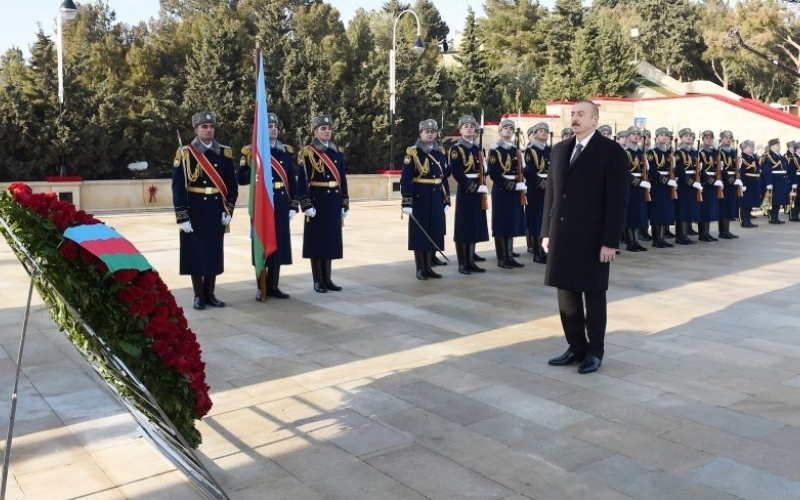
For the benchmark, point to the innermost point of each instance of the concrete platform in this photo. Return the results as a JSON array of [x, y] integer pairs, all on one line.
[[399, 389]]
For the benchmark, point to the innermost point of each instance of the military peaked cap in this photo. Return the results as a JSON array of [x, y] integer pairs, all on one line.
[[467, 119], [428, 124], [663, 130], [726, 133], [506, 123], [272, 118], [321, 120], [707, 133], [567, 131], [203, 117], [633, 129], [605, 129], [685, 131], [539, 126]]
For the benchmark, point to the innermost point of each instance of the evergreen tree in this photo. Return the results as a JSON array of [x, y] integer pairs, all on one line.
[[475, 85]]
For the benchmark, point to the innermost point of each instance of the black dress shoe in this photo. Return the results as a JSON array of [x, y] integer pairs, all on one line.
[[330, 285], [707, 238], [777, 221], [504, 264], [277, 293], [199, 303], [565, 359], [478, 258], [319, 287], [749, 224], [590, 364], [214, 301], [540, 258]]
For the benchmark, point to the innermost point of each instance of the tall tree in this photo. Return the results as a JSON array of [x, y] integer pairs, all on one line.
[[475, 83]]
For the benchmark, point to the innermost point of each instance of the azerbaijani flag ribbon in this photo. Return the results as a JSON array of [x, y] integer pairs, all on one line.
[[262, 209], [109, 246]]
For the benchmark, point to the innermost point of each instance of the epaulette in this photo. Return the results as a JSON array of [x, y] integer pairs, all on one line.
[[411, 151], [246, 150], [185, 151], [289, 149], [227, 151]]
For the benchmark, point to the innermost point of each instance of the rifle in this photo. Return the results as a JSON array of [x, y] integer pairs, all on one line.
[[736, 174], [481, 174], [674, 191], [644, 168], [718, 176], [699, 196], [523, 197]]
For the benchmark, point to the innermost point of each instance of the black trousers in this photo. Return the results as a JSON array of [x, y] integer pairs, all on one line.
[[585, 329]]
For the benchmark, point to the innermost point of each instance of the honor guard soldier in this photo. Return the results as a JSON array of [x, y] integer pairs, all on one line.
[[729, 204], [470, 221], [712, 185], [567, 133], [605, 131], [322, 192], [424, 197], [204, 193], [508, 189], [285, 205], [773, 174], [537, 164], [622, 138], [686, 207], [750, 173], [664, 187], [639, 188], [792, 165]]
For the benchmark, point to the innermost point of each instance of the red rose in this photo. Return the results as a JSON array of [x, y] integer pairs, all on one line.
[[131, 294], [125, 275], [87, 257], [155, 326], [181, 365], [68, 250], [147, 306], [146, 279]]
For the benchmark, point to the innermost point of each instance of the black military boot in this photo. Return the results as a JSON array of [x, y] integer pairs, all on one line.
[[326, 276], [529, 242], [702, 228], [667, 233], [197, 286], [209, 283], [633, 244], [316, 273], [435, 261], [273, 275], [538, 252], [794, 214], [428, 261], [745, 217], [502, 253], [725, 230], [643, 236], [475, 257], [472, 265], [681, 236], [510, 254], [419, 260], [773, 216], [690, 230], [662, 231], [658, 237], [461, 255]]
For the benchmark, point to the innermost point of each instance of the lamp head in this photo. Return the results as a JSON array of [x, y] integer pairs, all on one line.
[[418, 47], [67, 10]]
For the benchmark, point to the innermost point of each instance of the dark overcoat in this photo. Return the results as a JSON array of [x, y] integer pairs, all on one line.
[[662, 206], [470, 219], [584, 209], [422, 186], [508, 213], [537, 162], [750, 173], [196, 199], [773, 173]]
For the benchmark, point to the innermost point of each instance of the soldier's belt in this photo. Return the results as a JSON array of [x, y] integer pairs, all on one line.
[[779, 171], [203, 190], [689, 171], [471, 176], [510, 177], [543, 176], [730, 172], [328, 184], [277, 185], [428, 181], [636, 174], [752, 175]]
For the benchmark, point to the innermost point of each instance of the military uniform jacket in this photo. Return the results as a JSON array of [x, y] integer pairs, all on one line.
[[773, 172], [196, 199], [537, 164], [662, 207], [686, 208], [423, 188], [792, 165], [709, 207], [325, 189], [508, 214], [750, 173], [729, 204], [470, 219], [284, 196], [637, 206]]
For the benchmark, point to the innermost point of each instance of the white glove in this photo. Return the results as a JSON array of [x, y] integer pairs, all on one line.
[[292, 213], [672, 183], [186, 227], [446, 208], [769, 187], [485, 167], [744, 188], [521, 187], [310, 212], [794, 186], [718, 183], [483, 189], [738, 182], [697, 186], [408, 210], [546, 245], [226, 219], [645, 185], [344, 213]]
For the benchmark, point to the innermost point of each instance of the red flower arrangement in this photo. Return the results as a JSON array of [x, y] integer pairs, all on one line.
[[133, 312], [152, 190]]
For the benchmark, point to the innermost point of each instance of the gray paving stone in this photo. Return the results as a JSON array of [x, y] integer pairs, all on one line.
[[352, 432], [688, 388], [529, 407], [745, 482], [450, 405]]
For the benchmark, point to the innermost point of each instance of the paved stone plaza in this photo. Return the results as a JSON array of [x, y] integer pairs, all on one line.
[[398, 389]]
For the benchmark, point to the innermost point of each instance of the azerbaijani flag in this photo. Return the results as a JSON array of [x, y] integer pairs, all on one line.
[[262, 207], [109, 246]]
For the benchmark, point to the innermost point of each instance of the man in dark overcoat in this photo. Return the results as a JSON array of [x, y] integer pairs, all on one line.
[[585, 205], [204, 193]]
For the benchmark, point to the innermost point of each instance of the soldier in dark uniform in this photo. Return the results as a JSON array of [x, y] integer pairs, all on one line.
[[729, 204], [204, 193], [424, 197], [647, 145], [709, 207], [622, 138], [750, 173], [776, 185], [537, 164], [605, 131], [508, 213], [322, 193], [285, 205], [661, 175], [638, 186], [792, 166], [686, 206], [567, 133], [470, 220]]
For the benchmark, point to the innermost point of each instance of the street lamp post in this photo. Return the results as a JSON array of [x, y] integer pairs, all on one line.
[[635, 36], [66, 11], [417, 49]]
